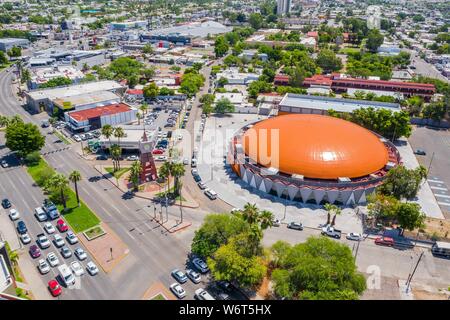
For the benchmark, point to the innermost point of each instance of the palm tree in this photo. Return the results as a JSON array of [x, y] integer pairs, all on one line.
[[116, 152], [119, 133], [164, 173], [58, 182], [139, 116], [4, 121], [75, 177], [266, 219], [250, 213], [135, 172], [177, 170], [107, 132], [329, 208], [144, 108], [337, 211]]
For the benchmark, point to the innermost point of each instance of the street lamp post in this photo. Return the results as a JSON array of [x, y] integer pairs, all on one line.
[[408, 282], [431, 161]]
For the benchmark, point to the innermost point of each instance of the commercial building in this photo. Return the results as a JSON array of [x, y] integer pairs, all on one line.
[[329, 160], [133, 138], [123, 26], [309, 104], [8, 43], [233, 76], [186, 32], [283, 7], [83, 96], [69, 57], [6, 279], [40, 76], [95, 118]]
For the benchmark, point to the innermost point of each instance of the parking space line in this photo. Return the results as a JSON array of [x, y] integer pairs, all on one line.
[[437, 181], [438, 188], [444, 204], [442, 195]]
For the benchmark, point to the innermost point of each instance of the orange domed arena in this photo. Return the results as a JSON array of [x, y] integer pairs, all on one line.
[[309, 157]]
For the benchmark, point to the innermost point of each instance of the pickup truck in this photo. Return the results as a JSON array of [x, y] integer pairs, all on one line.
[[331, 232]]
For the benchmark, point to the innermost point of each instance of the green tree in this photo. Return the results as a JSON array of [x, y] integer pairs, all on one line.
[[75, 177], [147, 49], [216, 230], [256, 21], [135, 173], [319, 269], [15, 52], [58, 182], [116, 153], [144, 108], [221, 46], [403, 183], [3, 58], [107, 132], [56, 82], [374, 40], [328, 61], [207, 109], [231, 263], [151, 91], [224, 105], [23, 137], [410, 216]]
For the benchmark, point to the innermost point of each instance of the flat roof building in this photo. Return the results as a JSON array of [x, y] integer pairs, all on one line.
[[298, 103], [8, 43]]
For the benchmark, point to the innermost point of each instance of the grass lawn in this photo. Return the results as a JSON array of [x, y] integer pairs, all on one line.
[[158, 297], [94, 232], [118, 173], [79, 218], [349, 50]]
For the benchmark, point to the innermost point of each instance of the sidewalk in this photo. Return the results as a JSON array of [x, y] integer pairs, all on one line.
[[34, 282], [8, 232]]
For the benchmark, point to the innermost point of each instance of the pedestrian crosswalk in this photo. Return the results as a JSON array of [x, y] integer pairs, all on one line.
[[54, 151], [441, 192]]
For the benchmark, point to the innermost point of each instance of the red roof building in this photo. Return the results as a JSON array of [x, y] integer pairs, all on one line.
[[317, 80], [135, 92], [281, 80], [313, 34]]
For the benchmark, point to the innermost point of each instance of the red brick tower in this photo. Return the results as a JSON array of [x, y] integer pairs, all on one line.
[[149, 172]]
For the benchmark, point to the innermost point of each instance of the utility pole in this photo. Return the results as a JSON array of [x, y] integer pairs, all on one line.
[[408, 282], [357, 249], [431, 161]]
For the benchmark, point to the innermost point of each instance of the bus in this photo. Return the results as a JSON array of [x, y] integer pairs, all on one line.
[[441, 249]]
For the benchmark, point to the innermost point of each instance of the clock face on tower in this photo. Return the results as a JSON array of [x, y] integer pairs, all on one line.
[[145, 147]]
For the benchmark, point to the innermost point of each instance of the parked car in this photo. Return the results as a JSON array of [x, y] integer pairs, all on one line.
[[80, 253], [71, 237], [202, 294], [197, 178], [179, 275], [384, 241], [200, 265], [34, 251], [194, 276], [6, 204], [14, 214], [354, 236], [133, 158], [65, 252], [201, 185], [420, 152], [211, 194], [161, 158], [58, 241], [178, 290], [43, 241], [4, 164], [43, 266], [77, 138], [52, 259], [54, 287], [77, 268], [295, 226], [21, 227], [49, 228], [225, 286], [91, 268], [25, 238], [276, 222], [101, 157], [40, 214], [61, 225]]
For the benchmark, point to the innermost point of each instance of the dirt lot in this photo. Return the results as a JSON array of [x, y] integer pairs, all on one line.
[[437, 227]]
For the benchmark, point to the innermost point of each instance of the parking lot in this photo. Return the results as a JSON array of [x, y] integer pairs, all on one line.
[[436, 144]]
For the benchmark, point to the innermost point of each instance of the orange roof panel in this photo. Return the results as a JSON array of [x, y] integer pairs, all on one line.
[[315, 146]]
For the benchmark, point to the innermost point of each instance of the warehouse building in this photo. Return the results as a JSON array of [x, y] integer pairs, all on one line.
[[8, 43], [95, 118]]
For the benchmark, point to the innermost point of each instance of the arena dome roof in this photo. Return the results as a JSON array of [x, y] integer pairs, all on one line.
[[315, 146]]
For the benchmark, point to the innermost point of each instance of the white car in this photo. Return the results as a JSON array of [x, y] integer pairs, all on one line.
[[77, 268], [71, 237], [80, 253], [25, 238], [161, 158], [91, 268], [133, 158], [14, 214], [4, 164], [354, 236], [49, 228], [185, 161], [76, 138], [178, 290], [43, 266], [194, 276], [43, 241], [52, 259], [58, 241]]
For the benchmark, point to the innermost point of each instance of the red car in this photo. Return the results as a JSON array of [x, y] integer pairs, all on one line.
[[384, 241], [158, 151], [61, 225], [54, 287]]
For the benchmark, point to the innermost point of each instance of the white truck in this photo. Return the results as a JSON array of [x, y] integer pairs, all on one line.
[[66, 275]]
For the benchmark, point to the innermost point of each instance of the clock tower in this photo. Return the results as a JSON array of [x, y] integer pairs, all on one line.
[[148, 172]]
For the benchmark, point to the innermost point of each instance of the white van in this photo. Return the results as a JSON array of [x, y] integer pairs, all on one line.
[[211, 194], [202, 294], [66, 275], [441, 249], [193, 163]]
